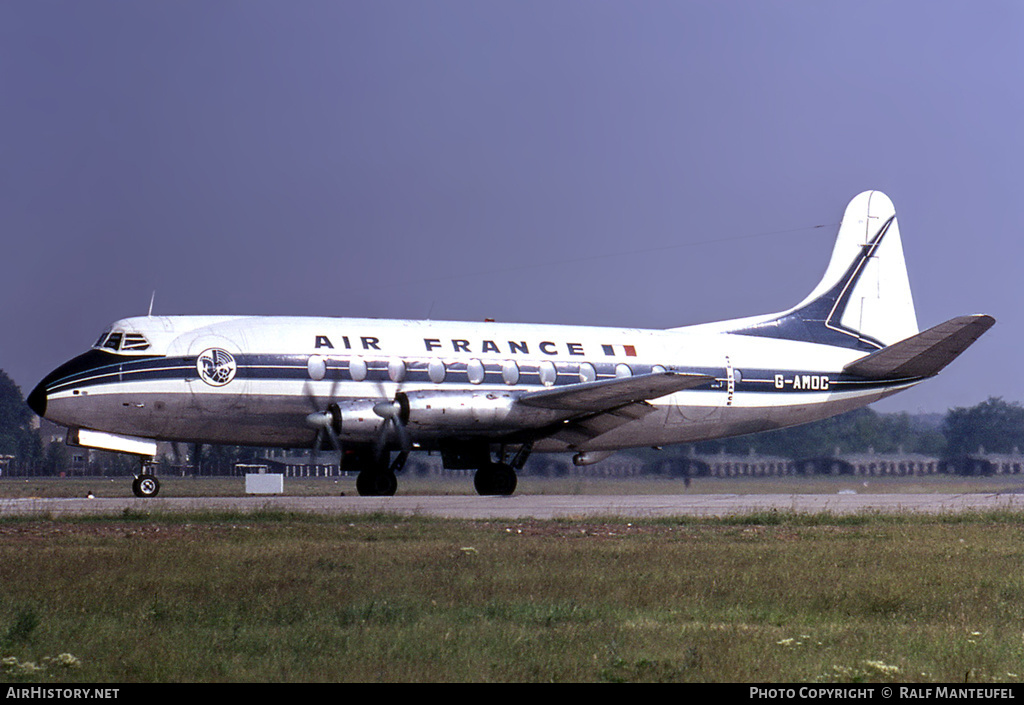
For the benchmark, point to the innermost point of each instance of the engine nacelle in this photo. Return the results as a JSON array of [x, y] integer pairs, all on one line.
[[461, 411], [358, 421], [424, 414], [432, 414]]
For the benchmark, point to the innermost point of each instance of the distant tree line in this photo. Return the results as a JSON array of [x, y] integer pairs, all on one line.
[[993, 426], [20, 444], [853, 432]]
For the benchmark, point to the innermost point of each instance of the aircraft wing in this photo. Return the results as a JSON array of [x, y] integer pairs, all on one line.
[[924, 354], [578, 432], [612, 393], [603, 406]]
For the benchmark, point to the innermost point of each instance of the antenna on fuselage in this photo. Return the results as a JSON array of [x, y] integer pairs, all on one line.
[[151, 300]]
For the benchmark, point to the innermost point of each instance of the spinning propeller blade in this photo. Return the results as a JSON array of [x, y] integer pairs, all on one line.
[[326, 419], [396, 416]]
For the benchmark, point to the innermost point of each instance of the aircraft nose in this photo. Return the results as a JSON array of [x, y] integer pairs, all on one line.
[[37, 399]]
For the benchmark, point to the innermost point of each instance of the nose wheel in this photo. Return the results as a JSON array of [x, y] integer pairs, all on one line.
[[145, 485]]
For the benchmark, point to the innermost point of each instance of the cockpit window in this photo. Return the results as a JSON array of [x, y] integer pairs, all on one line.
[[124, 342], [113, 341], [103, 336], [134, 341]]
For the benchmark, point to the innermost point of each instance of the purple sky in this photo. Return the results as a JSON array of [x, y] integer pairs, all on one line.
[[642, 163]]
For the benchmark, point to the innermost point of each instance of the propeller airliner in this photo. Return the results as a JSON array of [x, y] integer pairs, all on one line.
[[487, 395]]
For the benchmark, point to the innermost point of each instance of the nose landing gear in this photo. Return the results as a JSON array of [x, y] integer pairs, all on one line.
[[145, 484]]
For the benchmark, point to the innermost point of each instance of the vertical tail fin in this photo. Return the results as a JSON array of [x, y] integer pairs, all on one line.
[[863, 302]]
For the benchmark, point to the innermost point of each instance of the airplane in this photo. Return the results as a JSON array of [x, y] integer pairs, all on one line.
[[487, 395]]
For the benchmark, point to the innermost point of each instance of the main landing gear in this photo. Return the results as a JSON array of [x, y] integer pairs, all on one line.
[[376, 482], [376, 475], [493, 477]]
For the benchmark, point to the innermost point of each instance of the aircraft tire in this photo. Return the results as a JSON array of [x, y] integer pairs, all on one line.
[[145, 486], [376, 483], [495, 479]]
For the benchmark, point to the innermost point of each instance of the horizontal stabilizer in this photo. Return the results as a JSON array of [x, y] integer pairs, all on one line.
[[924, 354], [610, 393]]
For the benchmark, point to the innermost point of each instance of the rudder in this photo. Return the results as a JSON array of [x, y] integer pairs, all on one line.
[[863, 301]]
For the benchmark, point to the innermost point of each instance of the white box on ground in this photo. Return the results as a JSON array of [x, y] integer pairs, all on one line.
[[264, 483]]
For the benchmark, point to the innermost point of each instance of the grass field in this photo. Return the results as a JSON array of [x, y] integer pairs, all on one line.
[[278, 597]]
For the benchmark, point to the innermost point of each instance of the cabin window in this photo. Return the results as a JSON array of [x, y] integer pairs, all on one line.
[[317, 367], [623, 370], [657, 369], [357, 369], [548, 373], [396, 370], [510, 372], [475, 371], [436, 371], [587, 372]]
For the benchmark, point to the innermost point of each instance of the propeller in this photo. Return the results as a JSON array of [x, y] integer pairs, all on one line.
[[326, 420], [396, 415]]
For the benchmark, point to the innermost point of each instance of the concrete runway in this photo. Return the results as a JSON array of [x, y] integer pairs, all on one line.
[[536, 506]]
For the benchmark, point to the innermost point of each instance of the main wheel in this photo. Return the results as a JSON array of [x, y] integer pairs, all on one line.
[[495, 479], [376, 483], [146, 485]]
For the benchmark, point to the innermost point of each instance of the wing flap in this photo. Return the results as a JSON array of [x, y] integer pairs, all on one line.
[[611, 393], [924, 354], [581, 431]]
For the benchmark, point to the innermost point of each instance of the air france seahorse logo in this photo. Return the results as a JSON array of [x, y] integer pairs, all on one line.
[[216, 366]]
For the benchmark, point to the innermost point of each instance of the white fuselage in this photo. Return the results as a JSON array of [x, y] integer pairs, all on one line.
[[253, 380]]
